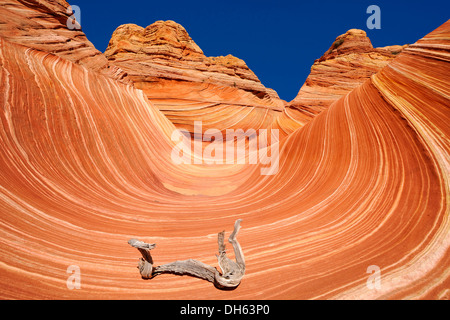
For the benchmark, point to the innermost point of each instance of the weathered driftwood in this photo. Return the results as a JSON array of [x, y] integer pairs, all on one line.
[[232, 271], [146, 262]]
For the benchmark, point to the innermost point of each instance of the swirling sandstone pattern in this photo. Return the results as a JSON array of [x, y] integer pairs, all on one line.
[[85, 166], [42, 24]]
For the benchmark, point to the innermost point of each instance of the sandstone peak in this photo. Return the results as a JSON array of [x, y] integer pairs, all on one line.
[[356, 32], [165, 62], [349, 62], [168, 43], [228, 60], [170, 32], [352, 40], [165, 37]]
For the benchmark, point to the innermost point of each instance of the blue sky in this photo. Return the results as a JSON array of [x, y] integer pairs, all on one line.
[[279, 40]]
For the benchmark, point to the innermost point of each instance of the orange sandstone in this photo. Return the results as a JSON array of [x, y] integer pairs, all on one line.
[[85, 166]]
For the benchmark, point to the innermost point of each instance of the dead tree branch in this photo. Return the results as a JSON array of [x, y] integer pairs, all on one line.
[[232, 271]]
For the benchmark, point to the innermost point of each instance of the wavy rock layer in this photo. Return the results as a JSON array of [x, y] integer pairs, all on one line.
[[85, 166], [42, 24], [349, 62], [164, 61]]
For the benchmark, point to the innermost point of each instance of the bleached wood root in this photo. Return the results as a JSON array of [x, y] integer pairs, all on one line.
[[232, 271]]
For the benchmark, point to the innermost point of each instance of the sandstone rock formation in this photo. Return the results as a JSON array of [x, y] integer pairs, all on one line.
[[349, 62], [86, 165], [172, 70], [42, 25]]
